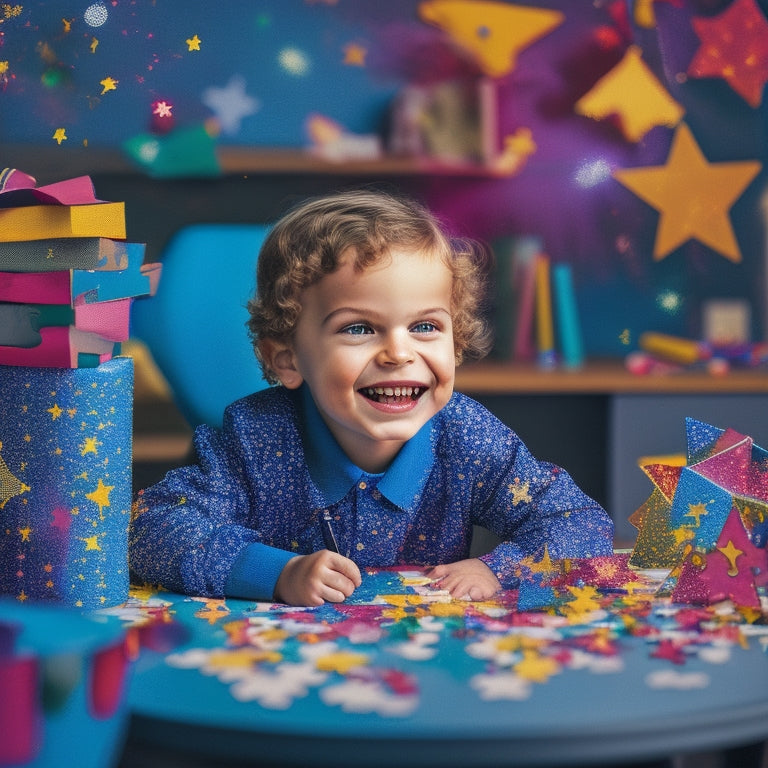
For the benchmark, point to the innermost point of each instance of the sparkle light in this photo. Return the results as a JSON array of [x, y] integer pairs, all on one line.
[[591, 173], [294, 61], [95, 15]]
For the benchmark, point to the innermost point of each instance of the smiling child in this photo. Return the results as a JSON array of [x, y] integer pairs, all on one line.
[[363, 455]]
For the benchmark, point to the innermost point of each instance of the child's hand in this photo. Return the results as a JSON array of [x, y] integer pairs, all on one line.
[[466, 579], [317, 578]]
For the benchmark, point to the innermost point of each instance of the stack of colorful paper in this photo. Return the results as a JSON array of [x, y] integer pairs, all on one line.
[[67, 276], [67, 280]]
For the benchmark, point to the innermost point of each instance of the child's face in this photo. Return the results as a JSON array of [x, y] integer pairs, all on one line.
[[363, 337]]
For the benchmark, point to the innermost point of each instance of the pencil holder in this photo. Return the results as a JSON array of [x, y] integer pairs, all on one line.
[[65, 483]]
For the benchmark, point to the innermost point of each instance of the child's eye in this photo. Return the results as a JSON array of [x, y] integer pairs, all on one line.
[[357, 329], [424, 327]]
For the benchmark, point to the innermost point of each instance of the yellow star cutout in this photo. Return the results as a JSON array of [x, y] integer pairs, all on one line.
[[108, 84], [341, 662], [536, 667], [493, 32], [59, 135], [631, 91], [693, 196], [731, 553], [193, 43], [696, 511], [101, 495]]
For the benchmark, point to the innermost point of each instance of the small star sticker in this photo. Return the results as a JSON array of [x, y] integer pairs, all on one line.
[[60, 134], [731, 554], [108, 84], [193, 43]]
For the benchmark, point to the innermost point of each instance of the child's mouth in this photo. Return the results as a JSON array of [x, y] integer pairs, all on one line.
[[392, 395]]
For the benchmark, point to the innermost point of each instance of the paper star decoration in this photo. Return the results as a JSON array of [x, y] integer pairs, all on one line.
[[631, 92], [734, 46], [692, 195], [193, 43], [230, 104], [493, 32], [708, 520]]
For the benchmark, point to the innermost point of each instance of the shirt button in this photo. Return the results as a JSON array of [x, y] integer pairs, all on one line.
[[362, 485]]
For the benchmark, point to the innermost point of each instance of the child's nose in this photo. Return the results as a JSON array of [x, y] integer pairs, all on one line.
[[397, 350]]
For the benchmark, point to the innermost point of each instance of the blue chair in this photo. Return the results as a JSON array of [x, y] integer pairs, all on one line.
[[194, 327]]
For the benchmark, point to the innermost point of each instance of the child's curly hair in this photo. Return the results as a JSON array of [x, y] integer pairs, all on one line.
[[310, 240]]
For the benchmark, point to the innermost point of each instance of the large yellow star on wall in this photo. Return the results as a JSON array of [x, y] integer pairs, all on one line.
[[693, 196], [494, 33]]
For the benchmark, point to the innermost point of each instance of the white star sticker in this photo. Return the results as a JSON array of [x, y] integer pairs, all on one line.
[[230, 104]]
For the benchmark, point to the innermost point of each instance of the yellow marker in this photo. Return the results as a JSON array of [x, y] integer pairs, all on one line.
[[674, 348]]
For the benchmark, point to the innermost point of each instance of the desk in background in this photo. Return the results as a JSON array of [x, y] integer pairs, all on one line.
[[597, 421], [403, 675]]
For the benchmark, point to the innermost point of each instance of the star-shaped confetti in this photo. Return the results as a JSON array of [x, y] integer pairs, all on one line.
[[193, 43], [692, 195], [494, 33], [108, 84], [633, 94], [734, 46], [230, 104], [59, 135]]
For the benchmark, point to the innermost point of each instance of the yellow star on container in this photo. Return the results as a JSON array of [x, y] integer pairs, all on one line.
[[101, 495], [193, 43], [89, 446], [692, 195], [91, 543], [25, 533], [633, 93], [10, 485], [108, 84], [55, 411], [493, 32], [696, 511], [59, 135]]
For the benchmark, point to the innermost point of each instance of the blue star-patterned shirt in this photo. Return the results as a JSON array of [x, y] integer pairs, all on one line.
[[227, 524]]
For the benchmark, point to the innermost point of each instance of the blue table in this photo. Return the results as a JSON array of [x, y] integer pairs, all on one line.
[[402, 675]]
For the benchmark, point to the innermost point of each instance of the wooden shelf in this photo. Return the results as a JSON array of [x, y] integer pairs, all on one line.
[[601, 377], [50, 164]]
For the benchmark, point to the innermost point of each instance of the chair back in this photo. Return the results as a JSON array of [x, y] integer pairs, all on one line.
[[194, 327]]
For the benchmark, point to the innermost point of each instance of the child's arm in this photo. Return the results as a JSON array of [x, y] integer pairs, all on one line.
[[188, 530]]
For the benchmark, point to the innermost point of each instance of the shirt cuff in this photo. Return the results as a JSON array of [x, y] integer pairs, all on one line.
[[255, 572]]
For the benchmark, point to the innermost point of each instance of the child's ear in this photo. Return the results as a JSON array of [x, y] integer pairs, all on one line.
[[279, 358]]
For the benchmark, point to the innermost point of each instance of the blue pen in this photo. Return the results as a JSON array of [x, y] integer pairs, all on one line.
[[328, 536]]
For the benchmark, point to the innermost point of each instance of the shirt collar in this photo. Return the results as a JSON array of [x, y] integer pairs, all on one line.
[[334, 474]]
